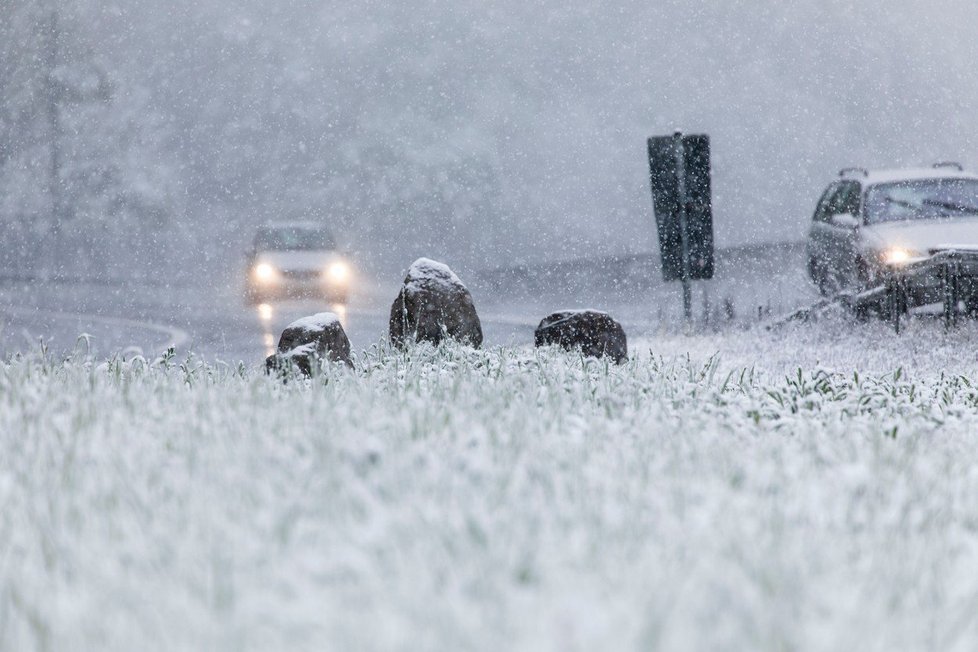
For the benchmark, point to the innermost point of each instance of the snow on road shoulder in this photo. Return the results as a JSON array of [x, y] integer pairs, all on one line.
[[501, 499], [922, 349]]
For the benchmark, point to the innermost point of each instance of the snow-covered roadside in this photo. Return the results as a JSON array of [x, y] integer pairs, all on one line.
[[507, 499], [923, 349]]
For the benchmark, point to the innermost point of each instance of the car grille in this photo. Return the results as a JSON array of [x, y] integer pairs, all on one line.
[[300, 274]]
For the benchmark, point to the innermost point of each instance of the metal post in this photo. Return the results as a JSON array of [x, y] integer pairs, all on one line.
[[681, 185], [950, 274], [893, 299], [52, 106]]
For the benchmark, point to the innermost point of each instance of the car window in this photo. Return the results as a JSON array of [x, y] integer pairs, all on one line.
[[922, 199], [846, 199], [293, 239], [822, 210]]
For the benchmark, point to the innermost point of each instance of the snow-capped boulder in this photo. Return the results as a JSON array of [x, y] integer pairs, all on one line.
[[592, 332], [304, 340], [433, 304]]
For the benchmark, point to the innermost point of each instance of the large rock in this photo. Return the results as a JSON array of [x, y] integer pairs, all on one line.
[[434, 304], [320, 336], [592, 332]]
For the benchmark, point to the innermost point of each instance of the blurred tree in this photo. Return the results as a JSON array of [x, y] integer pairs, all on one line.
[[79, 175], [470, 130]]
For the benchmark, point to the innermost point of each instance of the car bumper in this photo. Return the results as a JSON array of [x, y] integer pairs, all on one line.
[[297, 286], [923, 281]]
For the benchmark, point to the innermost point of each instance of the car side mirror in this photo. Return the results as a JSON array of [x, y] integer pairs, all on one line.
[[845, 220]]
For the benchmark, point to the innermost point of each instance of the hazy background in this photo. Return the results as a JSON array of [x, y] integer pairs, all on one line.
[[480, 133]]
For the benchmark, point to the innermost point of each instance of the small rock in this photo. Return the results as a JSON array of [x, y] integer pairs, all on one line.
[[304, 340], [300, 357], [433, 304], [592, 332]]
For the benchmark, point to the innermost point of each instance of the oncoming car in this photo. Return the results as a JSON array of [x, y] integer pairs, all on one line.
[[869, 224], [297, 259]]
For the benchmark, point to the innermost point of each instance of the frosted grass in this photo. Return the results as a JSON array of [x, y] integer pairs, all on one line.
[[507, 499]]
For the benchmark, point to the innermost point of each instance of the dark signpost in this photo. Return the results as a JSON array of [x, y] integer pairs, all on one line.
[[679, 167]]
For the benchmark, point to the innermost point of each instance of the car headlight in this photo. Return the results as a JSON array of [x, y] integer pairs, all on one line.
[[264, 273], [896, 256], [338, 272]]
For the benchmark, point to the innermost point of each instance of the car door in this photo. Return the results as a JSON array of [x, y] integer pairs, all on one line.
[[820, 240], [841, 231]]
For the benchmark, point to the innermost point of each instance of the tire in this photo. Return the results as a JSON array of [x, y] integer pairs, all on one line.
[[818, 277], [866, 277], [971, 306], [862, 312]]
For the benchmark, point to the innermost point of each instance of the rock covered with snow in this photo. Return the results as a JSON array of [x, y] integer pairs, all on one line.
[[592, 332], [319, 336], [434, 304]]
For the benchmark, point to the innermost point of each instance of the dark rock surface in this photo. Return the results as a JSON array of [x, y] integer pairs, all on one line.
[[434, 304], [592, 332], [304, 340]]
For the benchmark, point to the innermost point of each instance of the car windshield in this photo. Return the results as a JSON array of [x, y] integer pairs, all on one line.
[[292, 238], [924, 199]]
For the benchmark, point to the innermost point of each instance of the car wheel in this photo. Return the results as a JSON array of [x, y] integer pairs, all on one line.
[[866, 277], [817, 274], [862, 312], [971, 306], [828, 284]]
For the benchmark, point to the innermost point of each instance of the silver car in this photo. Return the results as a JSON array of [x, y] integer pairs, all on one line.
[[293, 259], [868, 224]]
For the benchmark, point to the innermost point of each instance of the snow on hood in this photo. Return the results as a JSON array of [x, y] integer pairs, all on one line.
[[922, 235], [318, 322], [425, 273]]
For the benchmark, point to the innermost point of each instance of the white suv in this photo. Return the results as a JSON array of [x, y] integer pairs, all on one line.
[[291, 259], [867, 224]]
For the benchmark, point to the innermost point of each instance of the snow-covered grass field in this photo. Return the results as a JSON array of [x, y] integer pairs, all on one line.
[[807, 489]]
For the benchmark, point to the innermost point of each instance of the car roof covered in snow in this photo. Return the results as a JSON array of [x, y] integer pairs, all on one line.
[[896, 175]]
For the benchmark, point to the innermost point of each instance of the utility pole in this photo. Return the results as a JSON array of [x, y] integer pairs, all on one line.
[[53, 110]]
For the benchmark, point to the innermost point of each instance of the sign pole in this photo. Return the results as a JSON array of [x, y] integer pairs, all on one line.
[[677, 141]]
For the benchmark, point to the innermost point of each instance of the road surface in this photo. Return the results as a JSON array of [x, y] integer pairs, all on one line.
[[224, 328], [216, 324]]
